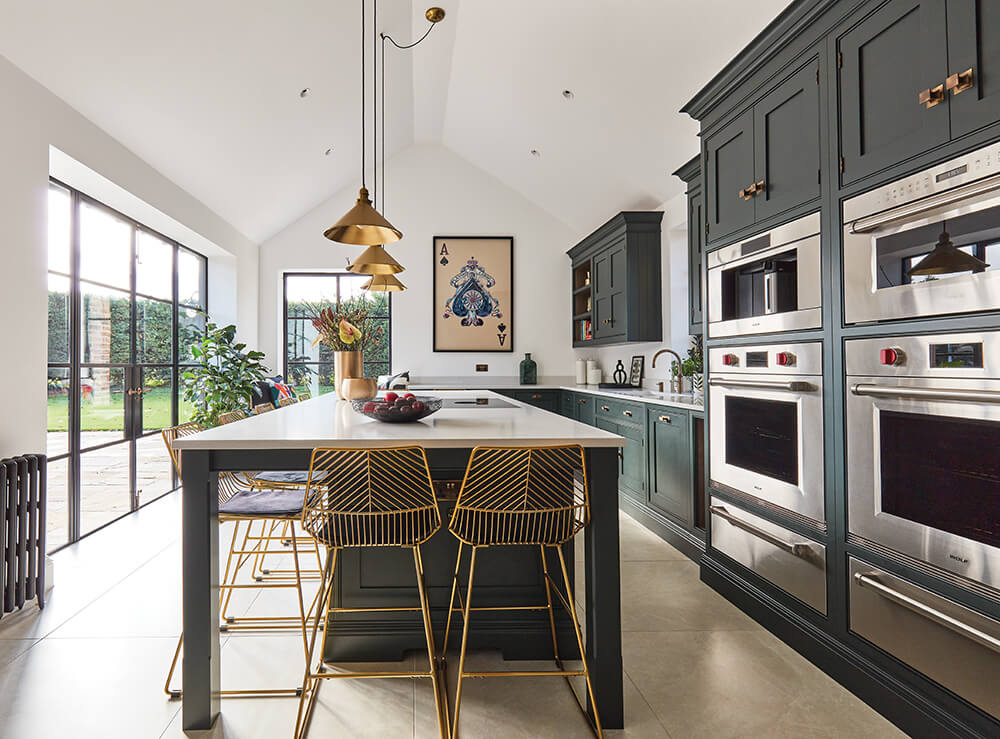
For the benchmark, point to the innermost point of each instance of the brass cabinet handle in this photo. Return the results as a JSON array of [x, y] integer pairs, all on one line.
[[748, 192], [931, 96], [758, 187], [605, 408], [607, 321], [536, 396], [959, 81], [627, 413], [583, 400], [665, 419]]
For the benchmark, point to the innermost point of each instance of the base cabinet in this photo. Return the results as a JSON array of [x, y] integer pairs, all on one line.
[[670, 489]]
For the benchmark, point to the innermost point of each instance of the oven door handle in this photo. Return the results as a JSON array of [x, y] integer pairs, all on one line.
[[910, 210], [802, 550], [868, 580], [794, 386], [926, 393]]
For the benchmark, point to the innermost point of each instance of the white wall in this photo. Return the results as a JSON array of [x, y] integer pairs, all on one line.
[[674, 281], [34, 120], [433, 191]]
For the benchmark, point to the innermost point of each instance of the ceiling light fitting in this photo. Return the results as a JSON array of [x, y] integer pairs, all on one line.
[[568, 94], [384, 284], [375, 260], [304, 92], [947, 259], [536, 153]]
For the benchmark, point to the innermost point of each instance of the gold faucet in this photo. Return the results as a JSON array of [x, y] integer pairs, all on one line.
[[676, 380]]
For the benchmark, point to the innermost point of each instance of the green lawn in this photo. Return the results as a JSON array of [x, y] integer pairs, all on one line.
[[110, 416]]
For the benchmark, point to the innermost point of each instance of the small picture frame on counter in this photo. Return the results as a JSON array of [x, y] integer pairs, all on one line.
[[638, 369]]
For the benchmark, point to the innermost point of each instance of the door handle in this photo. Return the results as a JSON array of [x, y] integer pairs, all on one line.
[[664, 419], [959, 82], [868, 580], [795, 386], [758, 188], [931, 96], [926, 393], [627, 413], [605, 408], [802, 550], [132, 391], [748, 192]]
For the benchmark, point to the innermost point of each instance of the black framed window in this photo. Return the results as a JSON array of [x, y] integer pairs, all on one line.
[[125, 305], [309, 363]]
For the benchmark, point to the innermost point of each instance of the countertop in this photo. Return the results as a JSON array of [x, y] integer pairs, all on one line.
[[673, 400], [328, 421]]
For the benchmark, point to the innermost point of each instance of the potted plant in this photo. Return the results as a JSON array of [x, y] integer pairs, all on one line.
[[692, 366], [346, 329], [225, 378]]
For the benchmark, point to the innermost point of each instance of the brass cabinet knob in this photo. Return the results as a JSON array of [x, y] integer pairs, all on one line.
[[665, 419], [959, 81], [758, 187], [536, 396], [931, 96], [627, 413], [605, 408], [582, 400]]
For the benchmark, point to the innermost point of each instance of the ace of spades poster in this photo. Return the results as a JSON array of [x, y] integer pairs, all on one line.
[[473, 293]]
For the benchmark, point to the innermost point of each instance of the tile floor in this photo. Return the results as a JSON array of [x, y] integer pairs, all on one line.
[[92, 664]]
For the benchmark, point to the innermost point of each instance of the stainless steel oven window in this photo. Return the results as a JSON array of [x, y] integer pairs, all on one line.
[[762, 436]]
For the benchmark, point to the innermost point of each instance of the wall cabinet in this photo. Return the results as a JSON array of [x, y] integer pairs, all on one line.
[[616, 295], [766, 160], [691, 174], [670, 459], [913, 75]]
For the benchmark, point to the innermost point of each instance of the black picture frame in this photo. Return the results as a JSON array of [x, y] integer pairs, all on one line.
[[638, 369], [508, 313]]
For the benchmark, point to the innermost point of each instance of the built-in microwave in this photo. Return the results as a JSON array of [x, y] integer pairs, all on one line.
[[767, 283], [923, 449], [766, 425], [926, 245]]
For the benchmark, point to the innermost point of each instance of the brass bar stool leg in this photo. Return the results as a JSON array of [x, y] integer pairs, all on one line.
[[465, 641], [425, 610], [548, 600], [451, 605], [310, 685], [579, 641], [302, 605], [173, 665]]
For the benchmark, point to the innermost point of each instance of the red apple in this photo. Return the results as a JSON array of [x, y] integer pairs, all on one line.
[[418, 406], [369, 407], [409, 396], [391, 397]]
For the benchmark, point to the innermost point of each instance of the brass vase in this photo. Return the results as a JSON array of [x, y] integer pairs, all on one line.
[[346, 364]]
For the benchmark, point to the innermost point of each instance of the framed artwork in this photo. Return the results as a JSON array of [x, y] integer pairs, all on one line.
[[638, 367], [473, 293]]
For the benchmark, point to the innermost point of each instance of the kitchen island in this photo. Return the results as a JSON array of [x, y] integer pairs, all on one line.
[[284, 440]]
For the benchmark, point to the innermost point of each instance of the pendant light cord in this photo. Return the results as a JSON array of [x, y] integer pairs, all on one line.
[[410, 46], [384, 182], [375, 100], [363, 142]]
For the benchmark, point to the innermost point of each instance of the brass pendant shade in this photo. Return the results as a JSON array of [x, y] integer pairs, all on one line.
[[383, 284], [375, 260], [947, 259], [362, 225]]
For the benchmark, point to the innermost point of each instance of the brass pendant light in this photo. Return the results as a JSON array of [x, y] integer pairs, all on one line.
[[375, 260], [383, 284], [947, 259], [362, 225]]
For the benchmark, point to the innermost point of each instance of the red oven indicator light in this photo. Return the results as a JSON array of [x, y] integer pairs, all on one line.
[[892, 357], [785, 359], [730, 360]]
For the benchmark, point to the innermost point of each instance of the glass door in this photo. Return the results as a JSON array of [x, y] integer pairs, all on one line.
[[118, 332]]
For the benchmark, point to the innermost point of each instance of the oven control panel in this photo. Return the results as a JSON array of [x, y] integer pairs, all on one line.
[[786, 359], [958, 171], [974, 356]]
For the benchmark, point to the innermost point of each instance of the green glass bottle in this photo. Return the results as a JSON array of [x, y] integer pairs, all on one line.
[[529, 371]]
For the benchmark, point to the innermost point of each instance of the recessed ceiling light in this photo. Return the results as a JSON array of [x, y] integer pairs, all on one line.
[[568, 94], [536, 153], [328, 152], [304, 92]]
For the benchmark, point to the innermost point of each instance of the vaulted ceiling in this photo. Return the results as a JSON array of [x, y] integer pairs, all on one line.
[[208, 92]]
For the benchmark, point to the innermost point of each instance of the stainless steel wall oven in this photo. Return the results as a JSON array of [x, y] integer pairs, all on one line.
[[950, 212], [769, 282], [766, 417], [923, 449]]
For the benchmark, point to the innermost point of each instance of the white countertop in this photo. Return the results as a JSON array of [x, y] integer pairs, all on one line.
[[327, 421], [673, 400]]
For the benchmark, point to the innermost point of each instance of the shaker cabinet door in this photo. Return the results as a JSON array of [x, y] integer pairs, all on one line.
[[696, 287], [786, 144], [670, 464], [729, 169], [609, 292], [887, 61], [633, 469], [973, 81]]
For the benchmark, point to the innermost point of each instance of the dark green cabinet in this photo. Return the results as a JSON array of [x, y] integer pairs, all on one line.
[[973, 64], [633, 471], [616, 295], [545, 399], [584, 407], [690, 173], [670, 459], [767, 160], [885, 62]]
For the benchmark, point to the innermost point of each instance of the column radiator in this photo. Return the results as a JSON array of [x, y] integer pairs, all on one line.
[[22, 533]]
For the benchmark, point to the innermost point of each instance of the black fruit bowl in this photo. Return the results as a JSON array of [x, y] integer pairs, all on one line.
[[397, 413]]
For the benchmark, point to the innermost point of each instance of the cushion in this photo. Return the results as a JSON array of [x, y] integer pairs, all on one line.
[[288, 478], [268, 503]]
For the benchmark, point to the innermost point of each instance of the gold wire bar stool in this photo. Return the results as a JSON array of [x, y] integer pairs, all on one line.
[[369, 498], [263, 408], [521, 496], [232, 417], [241, 503], [285, 402]]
